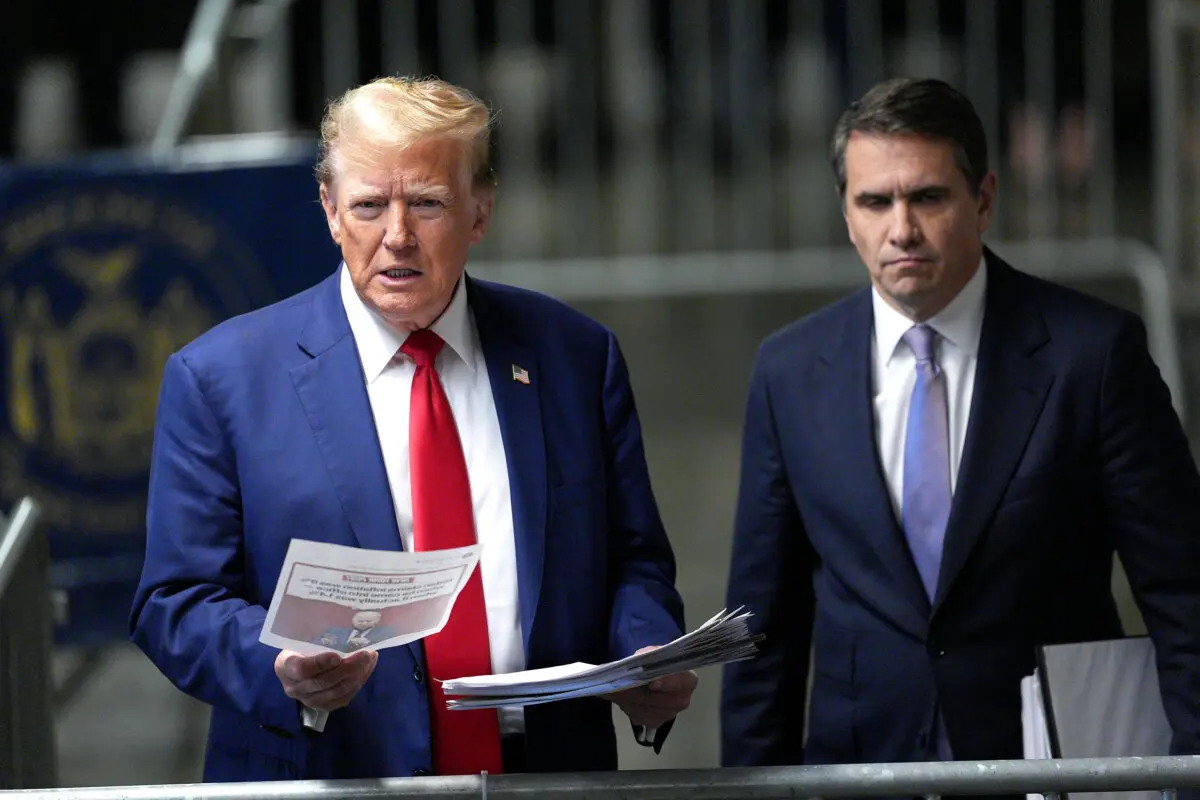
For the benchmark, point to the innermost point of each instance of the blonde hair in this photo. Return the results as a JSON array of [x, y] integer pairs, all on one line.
[[393, 113]]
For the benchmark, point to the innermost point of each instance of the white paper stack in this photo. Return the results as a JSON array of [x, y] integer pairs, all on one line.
[[723, 639]]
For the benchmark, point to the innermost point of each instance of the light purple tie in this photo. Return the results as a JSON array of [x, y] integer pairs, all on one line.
[[926, 501], [927, 477]]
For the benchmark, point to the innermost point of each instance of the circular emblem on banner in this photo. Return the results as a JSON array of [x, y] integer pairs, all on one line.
[[96, 291]]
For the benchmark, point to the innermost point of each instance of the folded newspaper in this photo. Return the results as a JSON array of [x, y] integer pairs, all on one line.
[[723, 639]]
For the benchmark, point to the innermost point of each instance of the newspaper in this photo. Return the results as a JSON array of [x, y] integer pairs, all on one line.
[[722, 639], [346, 599]]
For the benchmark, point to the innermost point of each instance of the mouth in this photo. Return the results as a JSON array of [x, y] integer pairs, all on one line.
[[907, 262], [401, 274]]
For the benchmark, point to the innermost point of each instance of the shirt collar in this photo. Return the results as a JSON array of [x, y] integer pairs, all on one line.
[[960, 322], [379, 342]]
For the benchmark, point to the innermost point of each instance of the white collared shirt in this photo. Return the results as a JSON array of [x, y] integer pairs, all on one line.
[[464, 377], [894, 375]]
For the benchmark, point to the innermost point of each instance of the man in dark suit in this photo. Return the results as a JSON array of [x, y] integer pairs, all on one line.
[[936, 472], [399, 403]]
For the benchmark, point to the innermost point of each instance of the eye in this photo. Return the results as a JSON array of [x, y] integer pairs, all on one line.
[[367, 208], [875, 202], [428, 202], [929, 197]]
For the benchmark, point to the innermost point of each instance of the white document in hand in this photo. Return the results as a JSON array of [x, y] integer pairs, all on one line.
[[345, 599], [721, 639]]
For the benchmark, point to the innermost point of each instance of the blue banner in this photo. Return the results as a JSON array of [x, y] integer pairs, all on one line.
[[106, 268]]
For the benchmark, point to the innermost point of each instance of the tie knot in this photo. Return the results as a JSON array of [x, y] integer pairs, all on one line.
[[423, 346], [919, 339]]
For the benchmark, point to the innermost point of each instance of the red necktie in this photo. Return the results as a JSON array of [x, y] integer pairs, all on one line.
[[464, 742]]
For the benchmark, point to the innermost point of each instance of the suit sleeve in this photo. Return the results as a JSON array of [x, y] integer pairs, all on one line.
[[1153, 497], [763, 699], [189, 615], [646, 607]]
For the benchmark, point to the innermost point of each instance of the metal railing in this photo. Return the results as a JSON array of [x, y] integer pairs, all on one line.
[[1176, 132], [839, 268], [630, 126], [931, 780], [27, 753]]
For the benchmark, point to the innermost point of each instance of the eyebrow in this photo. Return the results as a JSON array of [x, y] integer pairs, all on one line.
[[435, 190], [936, 189]]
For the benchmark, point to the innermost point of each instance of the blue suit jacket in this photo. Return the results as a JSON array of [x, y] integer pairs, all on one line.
[[265, 433], [1073, 450]]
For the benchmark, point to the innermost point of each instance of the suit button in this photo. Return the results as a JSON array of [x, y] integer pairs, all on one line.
[[417, 676], [421, 773], [941, 653]]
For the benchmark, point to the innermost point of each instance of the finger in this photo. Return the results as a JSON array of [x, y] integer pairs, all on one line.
[[348, 672], [292, 666], [327, 694], [679, 682], [672, 704]]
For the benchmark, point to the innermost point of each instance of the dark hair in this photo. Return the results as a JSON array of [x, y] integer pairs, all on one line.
[[924, 107]]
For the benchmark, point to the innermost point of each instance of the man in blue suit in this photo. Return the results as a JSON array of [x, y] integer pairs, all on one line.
[[392, 404], [936, 472]]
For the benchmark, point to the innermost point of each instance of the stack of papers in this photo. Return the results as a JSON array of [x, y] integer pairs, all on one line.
[[723, 639]]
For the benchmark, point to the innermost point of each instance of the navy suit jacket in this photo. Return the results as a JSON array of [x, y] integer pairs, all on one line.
[[265, 433], [1072, 450]]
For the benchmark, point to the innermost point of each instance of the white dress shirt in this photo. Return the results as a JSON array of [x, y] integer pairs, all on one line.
[[464, 377], [894, 375]]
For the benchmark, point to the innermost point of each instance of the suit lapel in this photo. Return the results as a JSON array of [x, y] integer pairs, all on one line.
[[333, 392], [519, 409], [845, 409], [1010, 390]]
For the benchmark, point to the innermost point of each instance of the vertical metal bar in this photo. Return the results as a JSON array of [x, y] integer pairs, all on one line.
[[27, 749], [809, 94], [1042, 199], [693, 178], [578, 224], [749, 114], [518, 85], [1165, 89], [1189, 191], [923, 44], [1098, 97], [633, 100], [196, 62], [864, 31], [398, 34], [458, 61], [339, 57], [982, 58]]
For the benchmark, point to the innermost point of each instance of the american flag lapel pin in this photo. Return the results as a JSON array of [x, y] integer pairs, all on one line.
[[520, 374]]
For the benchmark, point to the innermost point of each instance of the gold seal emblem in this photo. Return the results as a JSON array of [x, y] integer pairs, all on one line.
[[96, 292]]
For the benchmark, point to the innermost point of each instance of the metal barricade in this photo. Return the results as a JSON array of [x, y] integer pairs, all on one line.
[[1175, 35], [839, 268], [27, 751], [931, 780]]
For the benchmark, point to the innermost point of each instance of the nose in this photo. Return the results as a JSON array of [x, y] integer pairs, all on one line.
[[905, 231], [399, 233]]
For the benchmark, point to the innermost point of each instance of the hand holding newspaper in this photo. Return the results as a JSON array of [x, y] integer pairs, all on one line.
[[344, 599], [722, 639]]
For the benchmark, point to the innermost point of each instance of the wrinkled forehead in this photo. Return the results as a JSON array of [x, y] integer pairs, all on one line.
[[436, 160]]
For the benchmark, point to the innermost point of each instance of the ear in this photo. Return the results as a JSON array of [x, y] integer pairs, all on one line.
[[987, 201], [329, 203], [483, 199]]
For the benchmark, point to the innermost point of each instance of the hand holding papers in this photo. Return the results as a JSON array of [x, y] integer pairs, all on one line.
[[346, 599], [722, 639]]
